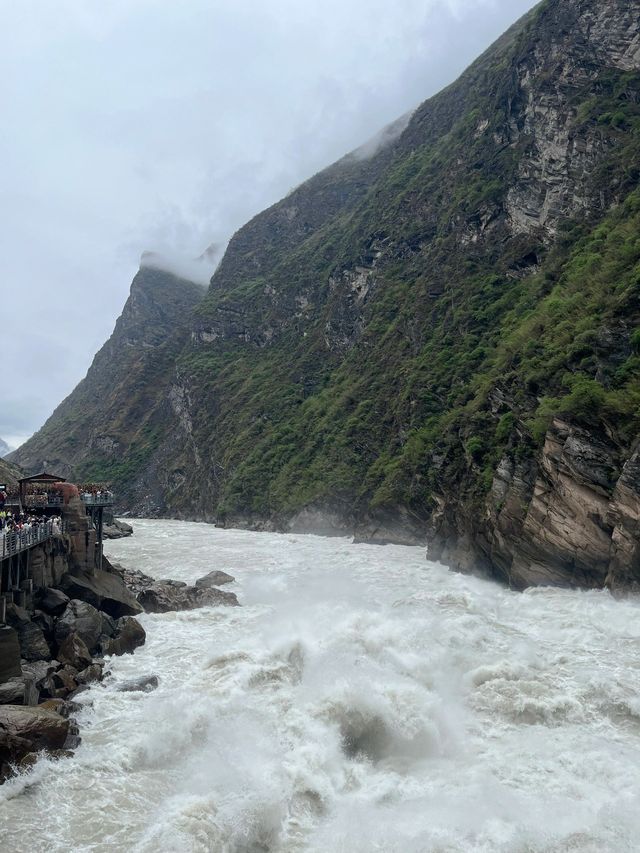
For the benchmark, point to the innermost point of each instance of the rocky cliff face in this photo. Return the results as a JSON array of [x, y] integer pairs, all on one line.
[[440, 341], [112, 426], [9, 473]]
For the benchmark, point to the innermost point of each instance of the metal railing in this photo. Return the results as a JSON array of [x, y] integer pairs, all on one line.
[[103, 499], [37, 501], [21, 540], [53, 501]]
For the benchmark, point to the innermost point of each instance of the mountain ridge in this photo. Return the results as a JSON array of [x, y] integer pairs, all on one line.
[[387, 351]]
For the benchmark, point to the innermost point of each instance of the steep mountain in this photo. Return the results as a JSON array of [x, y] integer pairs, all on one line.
[[9, 474], [439, 341], [109, 427]]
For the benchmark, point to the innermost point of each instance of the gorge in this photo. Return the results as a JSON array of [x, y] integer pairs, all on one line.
[[435, 340]]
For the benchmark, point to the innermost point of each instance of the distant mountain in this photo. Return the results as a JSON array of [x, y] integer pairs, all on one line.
[[4, 448], [435, 339], [122, 407], [9, 473]]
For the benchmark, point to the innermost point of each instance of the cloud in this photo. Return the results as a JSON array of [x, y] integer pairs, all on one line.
[[163, 127]]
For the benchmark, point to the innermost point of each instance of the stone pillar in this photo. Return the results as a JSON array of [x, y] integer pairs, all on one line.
[[80, 532]]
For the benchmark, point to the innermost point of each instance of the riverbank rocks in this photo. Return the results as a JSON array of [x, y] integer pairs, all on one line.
[[20, 690], [41, 728], [74, 652], [82, 619], [9, 653], [128, 635], [215, 578], [117, 529], [165, 596], [103, 590], [135, 580], [52, 601]]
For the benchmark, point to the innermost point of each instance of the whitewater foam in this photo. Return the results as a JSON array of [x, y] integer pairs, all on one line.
[[361, 699]]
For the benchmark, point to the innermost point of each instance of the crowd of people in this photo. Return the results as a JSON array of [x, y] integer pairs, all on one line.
[[92, 491], [34, 497], [26, 527]]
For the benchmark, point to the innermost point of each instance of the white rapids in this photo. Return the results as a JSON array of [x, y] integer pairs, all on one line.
[[362, 699]]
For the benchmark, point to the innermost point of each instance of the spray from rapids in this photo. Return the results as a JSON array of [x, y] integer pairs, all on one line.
[[362, 699]]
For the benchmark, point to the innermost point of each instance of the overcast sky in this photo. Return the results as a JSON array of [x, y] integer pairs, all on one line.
[[133, 125]]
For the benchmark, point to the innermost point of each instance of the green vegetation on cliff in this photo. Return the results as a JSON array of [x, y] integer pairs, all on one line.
[[470, 335], [403, 326]]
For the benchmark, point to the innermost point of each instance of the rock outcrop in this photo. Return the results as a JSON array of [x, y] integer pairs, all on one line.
[[214, 578], [117, 529], [568, 518], [150, 333], [164, 596]]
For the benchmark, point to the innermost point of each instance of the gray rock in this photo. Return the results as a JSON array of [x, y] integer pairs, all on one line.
[[33, 643], [83, 619], [90, 674], [129, 635], [74, 652], [19, 691], [64, 682], [73, 737], [53, 601], [9, 654], [117, 529], [40, 670], [215, 578], [145, 683], [42, 729], [64, 707], [108, 625], [104, 590], [163, 597], [44, 621]]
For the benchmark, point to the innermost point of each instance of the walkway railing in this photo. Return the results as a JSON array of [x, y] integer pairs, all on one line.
[[54, 501], [21, 540], [103, 499]]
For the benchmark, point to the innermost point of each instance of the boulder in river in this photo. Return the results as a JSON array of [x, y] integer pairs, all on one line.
[[64, 707], [41, 728], [128, 636], [215, 578], [117, 529], [145, 683], [81, 618], [162, 597], [64, 682], [134, 579], [91, 673]]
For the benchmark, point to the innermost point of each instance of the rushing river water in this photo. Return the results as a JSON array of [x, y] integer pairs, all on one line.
[[361, 699]]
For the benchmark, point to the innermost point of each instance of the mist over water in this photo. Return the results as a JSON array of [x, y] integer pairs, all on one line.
[[361, 699]]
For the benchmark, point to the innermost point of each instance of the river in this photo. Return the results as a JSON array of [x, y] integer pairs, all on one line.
[[362, 699]]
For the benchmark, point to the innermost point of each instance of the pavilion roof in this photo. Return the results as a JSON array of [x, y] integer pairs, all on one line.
[[43, 477]]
